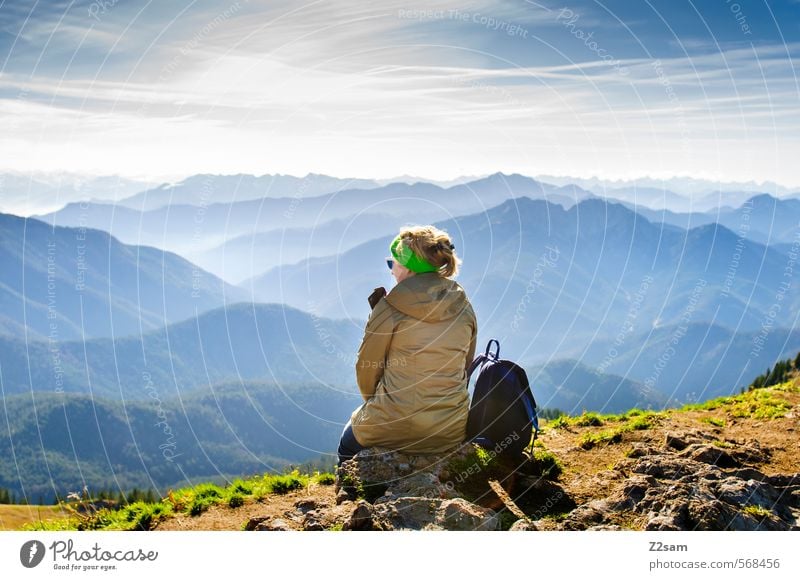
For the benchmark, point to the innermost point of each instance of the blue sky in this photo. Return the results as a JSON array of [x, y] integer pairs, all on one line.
[[616, 89]]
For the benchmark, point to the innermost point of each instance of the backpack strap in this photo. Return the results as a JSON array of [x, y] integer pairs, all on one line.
[[496, 354], [477, 361], [484, 357]]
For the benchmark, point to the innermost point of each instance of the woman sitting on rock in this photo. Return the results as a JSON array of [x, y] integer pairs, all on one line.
[[418, 344]]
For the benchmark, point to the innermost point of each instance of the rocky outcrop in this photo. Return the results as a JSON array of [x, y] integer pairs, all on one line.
[[689, 484], [676, 474], [396, 491]]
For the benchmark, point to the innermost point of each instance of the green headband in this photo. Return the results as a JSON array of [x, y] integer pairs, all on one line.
[[409, 259]]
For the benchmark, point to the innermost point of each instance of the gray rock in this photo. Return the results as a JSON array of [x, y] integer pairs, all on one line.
[[459, 514], [361, 518], [273, 525], [305, 505], [522, 525], [709, 454], [312, 524]]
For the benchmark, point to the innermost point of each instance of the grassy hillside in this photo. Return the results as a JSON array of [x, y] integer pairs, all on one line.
[[65, 442]]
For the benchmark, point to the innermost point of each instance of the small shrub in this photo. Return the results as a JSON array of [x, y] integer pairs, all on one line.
[[588, 420], [208, 490], [561, 422], [200, 505], [757, 511], [142, 516], [717, 422], [242, 487], [547, 464], [643, 421], [235, 501], [286, 483], [325, 478]]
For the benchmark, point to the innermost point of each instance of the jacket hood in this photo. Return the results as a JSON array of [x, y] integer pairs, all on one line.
[[428, 296]]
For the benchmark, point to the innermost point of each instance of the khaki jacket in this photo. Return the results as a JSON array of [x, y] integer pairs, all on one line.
[[411, 369]]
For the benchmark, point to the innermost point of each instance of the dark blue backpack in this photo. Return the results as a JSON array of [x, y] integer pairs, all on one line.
[[502, 414]]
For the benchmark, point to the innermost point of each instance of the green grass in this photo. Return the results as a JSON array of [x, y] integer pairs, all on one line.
[[641, 422], [588, 420], [192, 501], [283, 484], [787, 387], [716, 421], [637, 421], [710, 405], [762, 403], [135, 516], [560, 422], [325, 478], [15, 516], [592, 440]]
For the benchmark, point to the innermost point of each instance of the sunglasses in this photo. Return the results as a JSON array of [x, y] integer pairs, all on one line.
[[390, 263]]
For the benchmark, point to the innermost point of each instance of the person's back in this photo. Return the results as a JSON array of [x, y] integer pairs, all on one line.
[[419, 341]]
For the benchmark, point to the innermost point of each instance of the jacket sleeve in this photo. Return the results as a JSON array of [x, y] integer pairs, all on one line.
[[472, 343], [374, 348]]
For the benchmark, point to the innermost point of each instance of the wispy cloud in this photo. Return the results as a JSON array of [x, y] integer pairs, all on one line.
[[349, 88]]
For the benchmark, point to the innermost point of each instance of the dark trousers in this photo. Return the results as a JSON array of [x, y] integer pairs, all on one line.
[[348, 445]]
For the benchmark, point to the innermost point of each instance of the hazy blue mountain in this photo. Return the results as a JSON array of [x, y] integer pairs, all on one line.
[[243, 341], [695, 361], [29, 193], [205, 189], [763, 218], [194, 229], [65, 283], [67, 441], [573, 387], [548, 281], [770, 220], [252, 254], [683, 220], [687, 187]]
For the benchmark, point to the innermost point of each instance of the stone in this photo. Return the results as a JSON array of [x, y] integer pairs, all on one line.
[[361, 518], [459, 514], [709, 454], [412, 513], [312, 524], [273, 525], [305, 505], [343, 495], [522, 525], [640, 450], [252, 523]]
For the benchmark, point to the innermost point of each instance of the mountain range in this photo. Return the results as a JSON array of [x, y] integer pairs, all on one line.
[[65, 283], [607, 304], [193, 230]]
